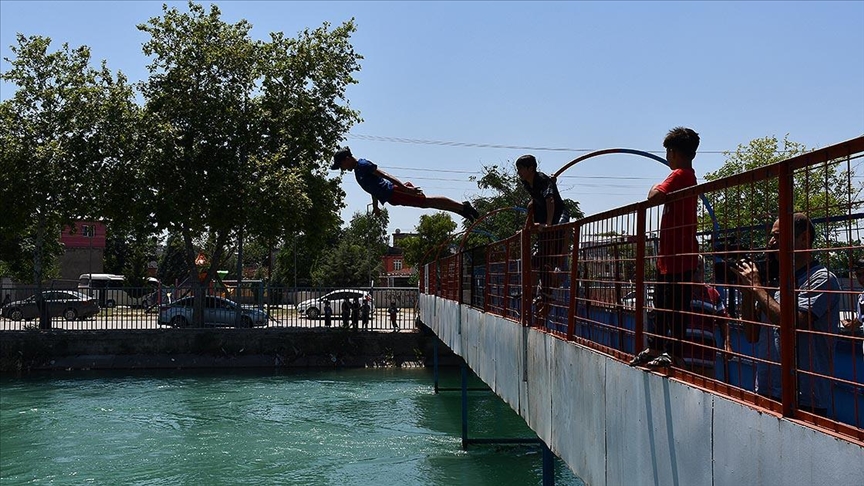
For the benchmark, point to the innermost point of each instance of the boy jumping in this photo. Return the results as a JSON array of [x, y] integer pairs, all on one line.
[[385, 188]]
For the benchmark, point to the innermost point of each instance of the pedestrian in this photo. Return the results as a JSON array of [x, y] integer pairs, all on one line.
[[364, 314], [346, 312], [6, 300], [817, 317], [355, 313], [393, 311], [385, 188], [328, 313], [677, 253]]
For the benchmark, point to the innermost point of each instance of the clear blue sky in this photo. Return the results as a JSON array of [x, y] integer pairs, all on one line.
[[537, 76]]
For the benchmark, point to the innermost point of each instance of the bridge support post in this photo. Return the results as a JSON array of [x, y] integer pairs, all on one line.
[[548, 465], [464, 406], [435, 363], [547, 457]]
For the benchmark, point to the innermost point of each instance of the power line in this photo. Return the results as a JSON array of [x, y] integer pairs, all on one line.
[[477, 173], [451, 143], [417, 141]]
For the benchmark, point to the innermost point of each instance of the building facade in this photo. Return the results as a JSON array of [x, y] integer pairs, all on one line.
[[396, 272]]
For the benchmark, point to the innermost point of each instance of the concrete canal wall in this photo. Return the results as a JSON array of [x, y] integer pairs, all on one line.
[[613, 424], [23, 351]]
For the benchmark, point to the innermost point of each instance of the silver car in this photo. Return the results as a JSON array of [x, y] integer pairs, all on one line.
[[217, 312]]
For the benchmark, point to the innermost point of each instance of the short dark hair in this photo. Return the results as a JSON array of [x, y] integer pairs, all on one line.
[[801, 223], [340, 155], [684, 140], [527, 160]]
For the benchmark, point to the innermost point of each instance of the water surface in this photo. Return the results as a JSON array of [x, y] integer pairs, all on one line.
[[338, 427]]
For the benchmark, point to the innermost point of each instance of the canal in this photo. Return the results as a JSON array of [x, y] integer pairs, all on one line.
[[329, 427]]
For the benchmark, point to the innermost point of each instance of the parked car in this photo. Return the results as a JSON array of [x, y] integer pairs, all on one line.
[[312, 308], [68, 304], [217, 312], [629, 300]]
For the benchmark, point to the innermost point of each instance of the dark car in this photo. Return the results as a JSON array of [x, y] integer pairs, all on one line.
[[68, 304]]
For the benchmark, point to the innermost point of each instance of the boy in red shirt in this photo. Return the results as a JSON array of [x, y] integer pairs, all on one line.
[[677, 254]]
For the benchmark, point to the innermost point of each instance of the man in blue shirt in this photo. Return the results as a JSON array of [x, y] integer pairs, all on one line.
[[385, 188], [817, 317]]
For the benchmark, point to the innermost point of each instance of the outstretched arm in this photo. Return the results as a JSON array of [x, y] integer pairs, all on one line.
[[550, 210]]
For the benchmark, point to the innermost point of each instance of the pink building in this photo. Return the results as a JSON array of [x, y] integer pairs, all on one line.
[[84, 242]]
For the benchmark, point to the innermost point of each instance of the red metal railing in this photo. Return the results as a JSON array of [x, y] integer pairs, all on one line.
[[594, 278]]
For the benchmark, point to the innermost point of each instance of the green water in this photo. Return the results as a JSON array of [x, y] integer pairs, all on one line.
[[346, 427]]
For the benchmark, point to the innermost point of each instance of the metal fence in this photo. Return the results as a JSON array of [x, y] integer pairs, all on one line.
[[256, 305], [592, 282]]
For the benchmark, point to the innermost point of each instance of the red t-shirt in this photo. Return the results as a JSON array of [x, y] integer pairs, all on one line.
[[678, 247]]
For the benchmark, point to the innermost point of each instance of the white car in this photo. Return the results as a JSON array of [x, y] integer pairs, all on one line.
[[217, 312], [313, 308]]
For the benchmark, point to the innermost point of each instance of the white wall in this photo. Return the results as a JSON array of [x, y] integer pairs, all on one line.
[[613, 424]]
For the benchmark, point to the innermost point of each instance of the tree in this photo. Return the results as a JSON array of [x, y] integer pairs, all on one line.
[[239, 130], [821, 190], [57, 134], [433, 231], [129, 253], [355, 261], [172, 267]]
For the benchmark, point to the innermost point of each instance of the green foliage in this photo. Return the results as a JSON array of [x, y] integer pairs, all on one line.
[[432, 231], [821, 190], [842, 261], [59, 134], [172, 264], [129, 254], [505, 190], [355, 260], [239, 131]]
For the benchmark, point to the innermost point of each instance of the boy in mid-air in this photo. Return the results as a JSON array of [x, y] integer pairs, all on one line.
[[385, 188]]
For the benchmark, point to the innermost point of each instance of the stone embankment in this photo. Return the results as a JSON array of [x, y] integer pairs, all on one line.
[[33, 350]]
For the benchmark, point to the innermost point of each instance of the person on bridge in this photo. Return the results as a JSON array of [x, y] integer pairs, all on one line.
[[677, 253], [707, 312], [817, 301], [850, 325], [548, 210], [385, 188], [854, 326]]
